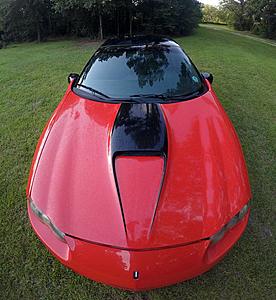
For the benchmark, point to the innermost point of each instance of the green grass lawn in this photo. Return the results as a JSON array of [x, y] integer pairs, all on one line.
[[246, 34], [32, 82]]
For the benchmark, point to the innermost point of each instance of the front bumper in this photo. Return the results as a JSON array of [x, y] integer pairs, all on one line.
[[137, 269]]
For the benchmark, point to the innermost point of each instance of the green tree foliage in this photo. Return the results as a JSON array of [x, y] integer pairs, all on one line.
[[238, 8], [263, 17], [91, 9], [217, 15], [186, 15], [2, 14], [36, 19], [258, 16], [25, 19], [171, 16]]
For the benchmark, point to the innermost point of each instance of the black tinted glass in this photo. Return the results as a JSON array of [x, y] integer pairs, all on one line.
[[124, 72]]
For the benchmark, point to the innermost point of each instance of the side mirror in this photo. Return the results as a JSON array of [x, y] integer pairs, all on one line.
[[208, 76], [73, 77]]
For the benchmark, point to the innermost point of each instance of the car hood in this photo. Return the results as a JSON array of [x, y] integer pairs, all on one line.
[[182, 194]]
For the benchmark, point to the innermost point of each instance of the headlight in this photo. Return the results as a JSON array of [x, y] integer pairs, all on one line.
[[238, 217], [47, 221]]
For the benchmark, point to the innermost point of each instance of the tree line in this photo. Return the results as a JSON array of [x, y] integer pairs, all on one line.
[[25, 20], [257, 16]]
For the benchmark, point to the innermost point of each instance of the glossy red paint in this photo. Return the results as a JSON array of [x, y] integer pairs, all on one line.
[[41, 142], [139, 181], [156, 267], [206, 181], [205, 185], [72, 169]]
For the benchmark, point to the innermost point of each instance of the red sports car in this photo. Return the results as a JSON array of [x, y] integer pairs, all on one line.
[[138, 179]]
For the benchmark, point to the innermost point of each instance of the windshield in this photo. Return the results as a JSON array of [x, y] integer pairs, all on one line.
[[140, 71]]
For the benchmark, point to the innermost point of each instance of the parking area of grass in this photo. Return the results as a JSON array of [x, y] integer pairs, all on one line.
[[33, 78]]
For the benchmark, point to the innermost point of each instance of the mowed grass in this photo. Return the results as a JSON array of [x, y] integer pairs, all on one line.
[[32, 82]]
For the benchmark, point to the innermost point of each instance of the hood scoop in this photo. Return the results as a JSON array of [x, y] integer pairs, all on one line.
[[139, 149], [139, 181]]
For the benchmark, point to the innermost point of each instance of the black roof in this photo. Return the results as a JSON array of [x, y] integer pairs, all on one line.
[[140, 41]]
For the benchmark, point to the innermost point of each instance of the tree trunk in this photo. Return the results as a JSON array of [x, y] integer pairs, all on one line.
[[38, 32], [101, 26], [118, 22], [130, 23], [50, 25]]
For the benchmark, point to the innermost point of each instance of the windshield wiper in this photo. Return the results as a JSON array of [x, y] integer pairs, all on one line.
[[167, 97], [149, 96], [93, 90], [189, 95]]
